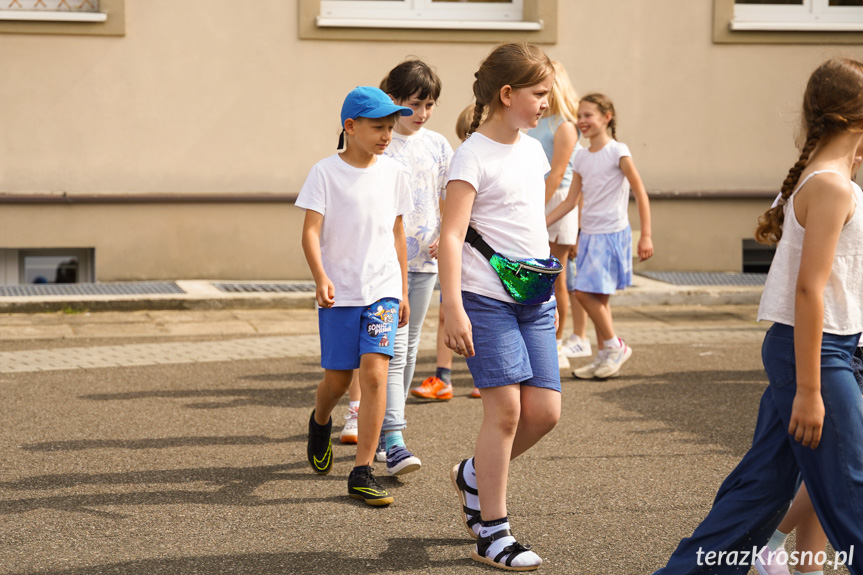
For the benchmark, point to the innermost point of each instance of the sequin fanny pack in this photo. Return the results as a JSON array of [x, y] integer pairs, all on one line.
[[529, 281]]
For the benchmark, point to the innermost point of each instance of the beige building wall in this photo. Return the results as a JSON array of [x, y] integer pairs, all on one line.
[[221, 99]]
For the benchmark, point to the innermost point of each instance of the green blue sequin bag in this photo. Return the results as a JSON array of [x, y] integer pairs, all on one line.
[[529, 281]]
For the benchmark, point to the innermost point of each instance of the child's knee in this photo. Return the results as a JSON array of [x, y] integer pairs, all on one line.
[[542, 419], [335, 383], [506, 420], [373, 372]]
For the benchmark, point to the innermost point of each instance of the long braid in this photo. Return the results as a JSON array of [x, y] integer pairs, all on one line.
[[477, 118], [832, 104], [769, 230], [612, 125]]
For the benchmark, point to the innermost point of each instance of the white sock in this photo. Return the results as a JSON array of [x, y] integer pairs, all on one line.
[[354, 405], [471, 500], [613, 343], [523, 559], [777, 540], [796, 572]]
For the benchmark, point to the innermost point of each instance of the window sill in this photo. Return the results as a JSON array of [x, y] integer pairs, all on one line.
[[796, 26], [50, 16], [521, 26]]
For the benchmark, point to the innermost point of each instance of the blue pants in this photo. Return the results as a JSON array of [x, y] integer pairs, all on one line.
[[753, 500]]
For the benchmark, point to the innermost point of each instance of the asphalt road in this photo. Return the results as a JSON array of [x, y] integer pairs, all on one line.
[[199, 466]]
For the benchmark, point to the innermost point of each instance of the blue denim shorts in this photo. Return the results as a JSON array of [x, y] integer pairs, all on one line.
[[349, 332], [604, 262], [513, 343]]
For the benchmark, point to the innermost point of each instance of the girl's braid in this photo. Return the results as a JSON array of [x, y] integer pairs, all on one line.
[[477, 118]]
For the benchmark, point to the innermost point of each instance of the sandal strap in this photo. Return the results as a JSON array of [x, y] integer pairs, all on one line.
[[461, 483], [473, 516], [514, 551], [483, 543]]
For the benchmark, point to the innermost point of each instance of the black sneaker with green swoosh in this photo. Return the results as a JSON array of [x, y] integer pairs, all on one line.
[[320, 448], [363, 485]]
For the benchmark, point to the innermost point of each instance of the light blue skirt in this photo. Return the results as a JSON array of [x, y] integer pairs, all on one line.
[[604, 263]]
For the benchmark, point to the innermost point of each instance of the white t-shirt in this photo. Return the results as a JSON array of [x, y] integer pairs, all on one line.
[[425, 156], [509, 209], [360, 206], [604, 187]]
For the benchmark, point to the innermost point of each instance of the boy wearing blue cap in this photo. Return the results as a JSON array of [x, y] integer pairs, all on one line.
[[354, 243]]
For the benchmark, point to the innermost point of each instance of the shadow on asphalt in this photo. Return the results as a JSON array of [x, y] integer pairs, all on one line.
[[163, 443], [223, 398], [402, 555], [716, 407], [228, 486]]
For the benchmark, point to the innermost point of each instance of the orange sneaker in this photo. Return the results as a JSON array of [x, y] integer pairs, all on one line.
[[433, 388], [475, 392]]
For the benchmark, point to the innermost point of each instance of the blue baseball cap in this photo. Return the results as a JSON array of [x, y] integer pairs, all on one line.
[[368, 102]]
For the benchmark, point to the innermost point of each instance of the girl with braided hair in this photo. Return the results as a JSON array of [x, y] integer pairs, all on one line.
[[497, 186], [810, 421]]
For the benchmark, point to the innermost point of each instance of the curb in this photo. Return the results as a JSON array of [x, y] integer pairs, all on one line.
[[682, 295]]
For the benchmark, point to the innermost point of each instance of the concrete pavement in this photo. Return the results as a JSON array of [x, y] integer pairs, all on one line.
[[174, 442]]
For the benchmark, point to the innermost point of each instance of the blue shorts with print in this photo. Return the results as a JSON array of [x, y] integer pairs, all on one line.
[[513, 343], [349, 332], [604, 263]]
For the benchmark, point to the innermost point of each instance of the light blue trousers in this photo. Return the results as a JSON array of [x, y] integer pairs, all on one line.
[[402, 365]]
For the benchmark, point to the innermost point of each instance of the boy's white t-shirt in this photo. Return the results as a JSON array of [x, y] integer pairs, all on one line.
[[425, 157], [509, 209], [360, 206], [604, 187]]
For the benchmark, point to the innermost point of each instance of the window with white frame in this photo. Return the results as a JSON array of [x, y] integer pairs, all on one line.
[[445, 14], [52, 10], [814, 15]]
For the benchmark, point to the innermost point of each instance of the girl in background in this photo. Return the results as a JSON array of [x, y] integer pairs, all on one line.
[[604, 174], [558, 135], [496, 185]]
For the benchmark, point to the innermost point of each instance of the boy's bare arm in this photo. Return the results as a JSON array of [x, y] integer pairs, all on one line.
[[325, 291], [645, 242], [402, 251]]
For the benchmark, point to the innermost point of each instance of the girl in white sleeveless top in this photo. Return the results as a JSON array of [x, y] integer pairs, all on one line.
[[810, 422]]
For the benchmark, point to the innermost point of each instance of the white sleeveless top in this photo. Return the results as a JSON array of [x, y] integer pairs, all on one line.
[[843, 294]]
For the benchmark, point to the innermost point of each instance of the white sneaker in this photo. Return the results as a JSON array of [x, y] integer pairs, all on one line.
[[349, 431], [575, 346], [381, 451], [614, 359], [588, 371], [562, 361]]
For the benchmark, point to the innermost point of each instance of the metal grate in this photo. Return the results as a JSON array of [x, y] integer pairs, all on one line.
[[120, 288], [299, 287], [707, 278]]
